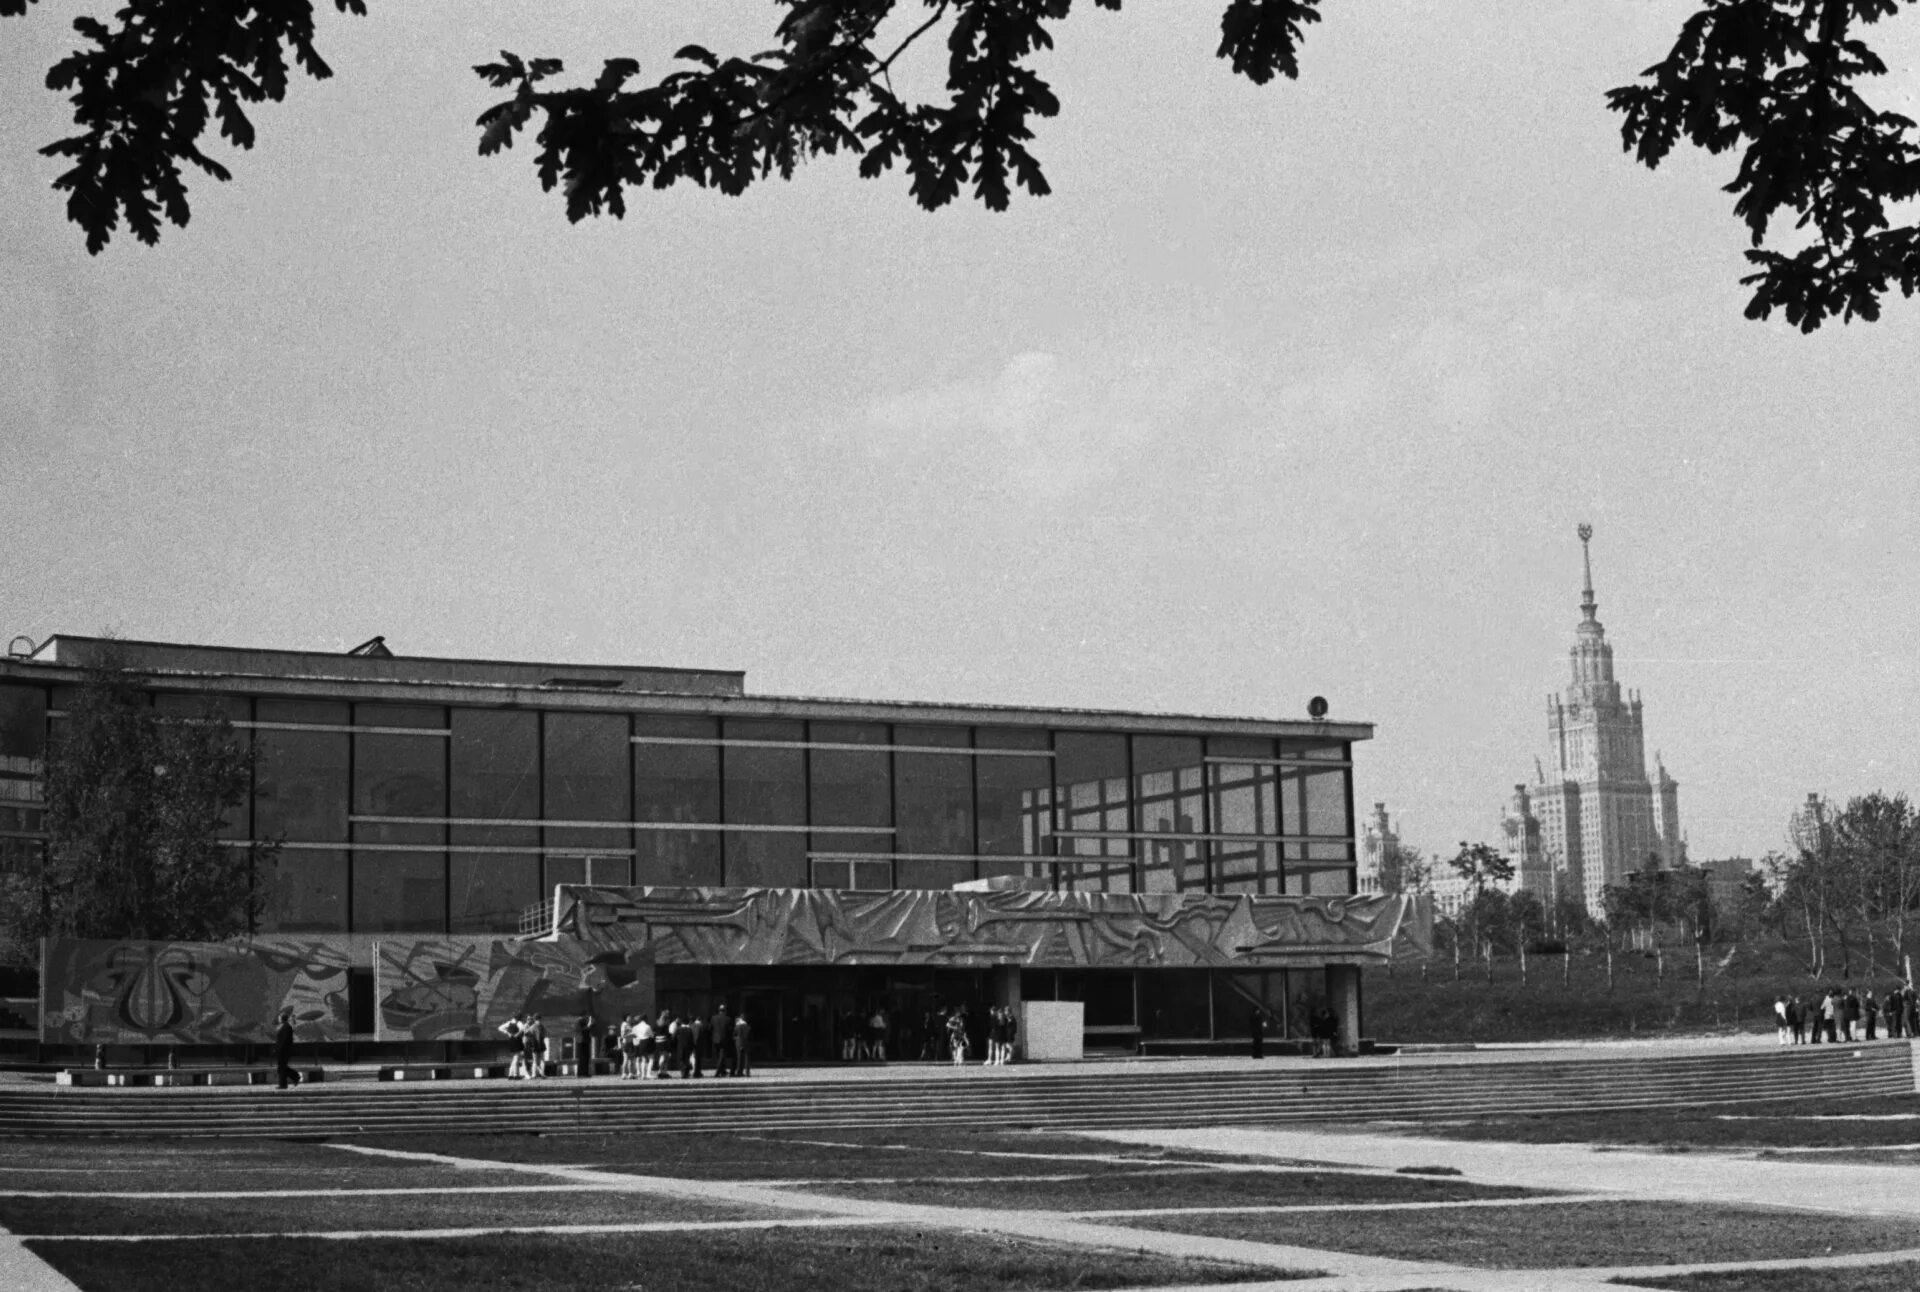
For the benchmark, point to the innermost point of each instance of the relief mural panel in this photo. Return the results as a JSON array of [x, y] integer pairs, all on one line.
[[810, 926], [190, 993], [456, 989]]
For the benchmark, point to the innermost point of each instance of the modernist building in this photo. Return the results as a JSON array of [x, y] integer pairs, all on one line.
[[1593, 815], [1170, 872]]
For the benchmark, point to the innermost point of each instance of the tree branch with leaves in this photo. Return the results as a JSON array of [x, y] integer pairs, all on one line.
[[1778, 81]]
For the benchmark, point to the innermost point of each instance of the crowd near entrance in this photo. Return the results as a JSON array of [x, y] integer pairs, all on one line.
[[801, 1014]]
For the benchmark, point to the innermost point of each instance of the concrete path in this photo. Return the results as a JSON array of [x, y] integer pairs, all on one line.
[[22, 1271], [1844, 1187], [1044, 1226]]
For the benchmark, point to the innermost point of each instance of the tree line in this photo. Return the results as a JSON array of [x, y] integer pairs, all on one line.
[[1843, 895]]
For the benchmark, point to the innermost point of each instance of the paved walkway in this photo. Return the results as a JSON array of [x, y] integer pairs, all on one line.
[[1045, 1226], [1845, 1187]]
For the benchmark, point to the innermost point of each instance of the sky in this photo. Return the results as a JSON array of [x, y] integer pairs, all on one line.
[[1286, 391]]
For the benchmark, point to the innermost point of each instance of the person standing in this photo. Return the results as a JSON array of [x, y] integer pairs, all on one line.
[[1257, 1032], [1870, 1012], [1780, 1017], [957, 1036], [535, 1039], [517, 1056], [283, 1050], [1797, 1019], [722, 1042], [742, 1046], [1850, 1014], [583, 1044]]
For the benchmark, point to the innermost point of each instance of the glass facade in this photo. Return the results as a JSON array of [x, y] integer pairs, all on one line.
[[414, 818]]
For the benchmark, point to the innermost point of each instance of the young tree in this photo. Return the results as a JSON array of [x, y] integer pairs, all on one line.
[[1404, 870], [1876, 846], [1481, 865], [136, 802], [1775, 78]]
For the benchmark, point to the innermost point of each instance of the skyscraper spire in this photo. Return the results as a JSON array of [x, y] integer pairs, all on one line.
[[1588, 606]]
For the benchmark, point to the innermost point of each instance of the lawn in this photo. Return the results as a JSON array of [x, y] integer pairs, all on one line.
[[1202, 1187], [161, 1216], [768, 1260], [793, 1155], [1858, 1123], [1600, 1233], [195, 1164], [1900, 1276]]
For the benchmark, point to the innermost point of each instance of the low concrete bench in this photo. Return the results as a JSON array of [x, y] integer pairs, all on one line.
[[442, 1071], [97, 1077]]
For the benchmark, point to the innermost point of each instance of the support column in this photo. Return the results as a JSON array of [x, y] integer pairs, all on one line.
[[1343, 997], [1005, 990], [1006, 986]]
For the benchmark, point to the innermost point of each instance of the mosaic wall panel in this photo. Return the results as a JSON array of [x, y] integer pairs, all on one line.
[[188, 993], [807, 926], [463, 989]]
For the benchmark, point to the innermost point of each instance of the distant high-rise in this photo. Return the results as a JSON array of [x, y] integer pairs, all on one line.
[[1594, 814]]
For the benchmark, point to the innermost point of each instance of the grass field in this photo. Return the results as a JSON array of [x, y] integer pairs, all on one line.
[[1875, 1124], [1901, 1277], [850, 1260], [1595, 1234], [892, 1209]]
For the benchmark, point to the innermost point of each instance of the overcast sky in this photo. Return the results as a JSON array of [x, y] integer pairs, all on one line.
[[1286, 391]]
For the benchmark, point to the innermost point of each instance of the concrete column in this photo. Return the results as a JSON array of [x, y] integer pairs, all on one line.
[[1343, 997], [1006, 986]]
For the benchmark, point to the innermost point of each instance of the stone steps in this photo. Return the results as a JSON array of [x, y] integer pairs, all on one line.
[[1027, 1097]]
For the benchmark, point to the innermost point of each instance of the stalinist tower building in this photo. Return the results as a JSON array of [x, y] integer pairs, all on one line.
[[1594, 814]]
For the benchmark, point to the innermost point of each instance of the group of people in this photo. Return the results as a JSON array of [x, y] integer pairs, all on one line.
[[682, 1043], [1002, 1030], [1843, 1014], [527, 1034], [864, 1038], [640, 1047]]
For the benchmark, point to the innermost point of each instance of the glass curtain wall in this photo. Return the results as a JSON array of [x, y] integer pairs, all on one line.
[[1013, 793], [676, 778], [494, 871], [23, 735], [1170, 795], [300, 795], [425, 819], [586, 777], [399, 778], [933, 807], [765, 784], [850, 802], [1091, 800]]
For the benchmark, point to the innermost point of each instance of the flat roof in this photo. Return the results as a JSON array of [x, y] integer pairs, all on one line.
[[614, 688]]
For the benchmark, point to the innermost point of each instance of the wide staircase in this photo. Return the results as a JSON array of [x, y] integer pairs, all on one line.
[[1105, 1095]]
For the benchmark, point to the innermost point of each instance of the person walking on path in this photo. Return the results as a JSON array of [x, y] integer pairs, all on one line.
[[283, 1050], [722, 1042], [1257, 1031]]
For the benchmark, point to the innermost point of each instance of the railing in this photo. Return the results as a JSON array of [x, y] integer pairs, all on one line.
[[536, 921]]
